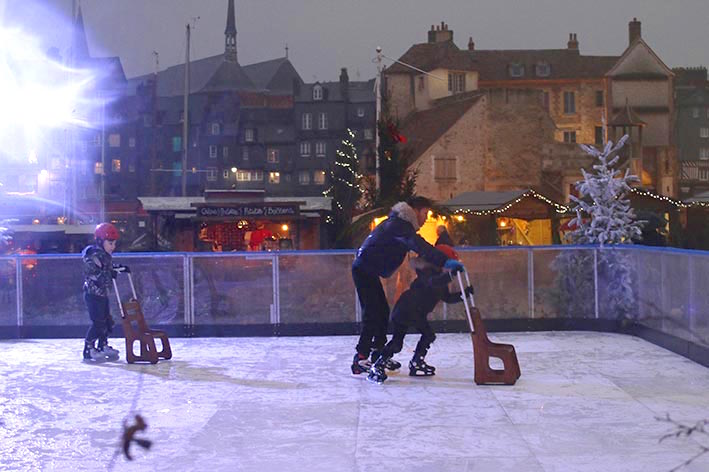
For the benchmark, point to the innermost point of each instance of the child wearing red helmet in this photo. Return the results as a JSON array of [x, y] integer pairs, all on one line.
[[412, 309], [99, 271]]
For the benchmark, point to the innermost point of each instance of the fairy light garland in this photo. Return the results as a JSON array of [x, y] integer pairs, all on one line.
[[529, 193], [663, 198]]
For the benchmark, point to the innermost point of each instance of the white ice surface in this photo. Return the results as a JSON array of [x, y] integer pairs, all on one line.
[[585, 402]]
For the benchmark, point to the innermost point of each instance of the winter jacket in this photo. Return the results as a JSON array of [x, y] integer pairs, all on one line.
[[98, 270], [385, 248], [429, 287], [444, 238]]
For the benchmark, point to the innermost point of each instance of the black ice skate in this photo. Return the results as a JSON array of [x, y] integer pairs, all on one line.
[[360, 364], [110, 353], [390, 363], [93, 355], [419, 368], [377, 373]]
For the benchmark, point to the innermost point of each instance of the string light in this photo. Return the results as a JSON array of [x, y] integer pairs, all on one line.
[[529, 193], [663, 198]]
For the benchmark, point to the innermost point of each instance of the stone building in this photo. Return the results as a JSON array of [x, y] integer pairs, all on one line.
[[692, 130]]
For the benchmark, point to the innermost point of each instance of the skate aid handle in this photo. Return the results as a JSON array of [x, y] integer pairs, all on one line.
[[118, 296], [453, 266]]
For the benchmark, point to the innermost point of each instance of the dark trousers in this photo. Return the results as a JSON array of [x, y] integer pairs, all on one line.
[[397, 341], [375, 312], [101, 320]]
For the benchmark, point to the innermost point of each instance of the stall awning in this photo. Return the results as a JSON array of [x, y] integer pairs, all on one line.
[[66, 229], [170, 203], [526, 204]]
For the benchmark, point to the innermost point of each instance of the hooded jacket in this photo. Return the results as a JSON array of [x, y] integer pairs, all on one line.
[[98, 270], [385, 248]]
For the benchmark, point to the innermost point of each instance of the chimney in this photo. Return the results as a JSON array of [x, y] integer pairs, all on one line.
[[573, 42], [344, 83], [634, 30], [471, 44], [440, 33]]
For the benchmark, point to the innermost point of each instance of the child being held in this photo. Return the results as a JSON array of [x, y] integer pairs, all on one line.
[[412, 309]]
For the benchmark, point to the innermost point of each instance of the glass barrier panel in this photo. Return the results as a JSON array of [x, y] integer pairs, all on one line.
[[8, 292], [650, 293], [499, 278], [51, 292], [618, 283], [563, 283], [699, 298], [316, 288], [159, 284], [233, 289]]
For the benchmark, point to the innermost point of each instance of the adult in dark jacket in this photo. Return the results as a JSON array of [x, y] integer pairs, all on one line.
[[379, 256], [411, 310]]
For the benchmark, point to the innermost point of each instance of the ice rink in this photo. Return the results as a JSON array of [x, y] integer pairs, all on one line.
[[585, 402]]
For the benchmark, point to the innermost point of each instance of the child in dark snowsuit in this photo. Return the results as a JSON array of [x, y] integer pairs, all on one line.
[[412, 309], [379, 256], [99, 271]]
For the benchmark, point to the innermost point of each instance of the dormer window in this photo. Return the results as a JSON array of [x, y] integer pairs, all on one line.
[[516, 70], [317, 92], [542, 69]]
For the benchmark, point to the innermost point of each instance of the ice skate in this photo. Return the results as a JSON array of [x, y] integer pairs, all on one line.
[[111, 353], [418, 367], [360, 364], [377, 373], [390, 363], [93, 355]]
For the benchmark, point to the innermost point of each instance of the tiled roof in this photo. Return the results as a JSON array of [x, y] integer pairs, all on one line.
[[430, 56], [228, 76], [494, 65], [424, 128], [360, 91], [626, 117], [478, 201], [261, 73]]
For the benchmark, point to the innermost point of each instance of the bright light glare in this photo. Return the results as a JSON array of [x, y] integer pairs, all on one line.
[[37, 94]]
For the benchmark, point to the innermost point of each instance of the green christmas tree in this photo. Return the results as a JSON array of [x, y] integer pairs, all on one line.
[[345, 191]]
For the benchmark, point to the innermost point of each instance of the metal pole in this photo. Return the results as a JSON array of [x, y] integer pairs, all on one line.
[[595, 281], [185, 115], [378, 94]]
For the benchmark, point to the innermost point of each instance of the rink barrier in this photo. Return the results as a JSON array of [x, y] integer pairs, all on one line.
[[309, 293]]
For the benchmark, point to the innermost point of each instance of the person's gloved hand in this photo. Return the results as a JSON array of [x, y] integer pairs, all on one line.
[[468, 290], [453, 266]]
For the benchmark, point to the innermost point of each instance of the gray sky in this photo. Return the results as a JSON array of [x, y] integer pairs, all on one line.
[[325, 35]]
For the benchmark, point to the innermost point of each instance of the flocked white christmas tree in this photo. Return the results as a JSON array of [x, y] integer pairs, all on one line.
[[603, 213], [604, 217]]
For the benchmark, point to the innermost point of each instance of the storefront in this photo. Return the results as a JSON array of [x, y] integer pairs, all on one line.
[[224, 221]]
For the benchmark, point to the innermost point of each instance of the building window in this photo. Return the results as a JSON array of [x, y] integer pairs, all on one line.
[[543, 69], [456, 83], [307, 121], [360, 112], [368, 134], [304, 177], [245, 153], [98, 168], [704, 154], [115, 165], [225, 151], [96, 141], [444, 168], [570, 137], [176, 143], [704, 132], [131, 168], [225, 174], [322, 120], [211, 174], [274, 177], [215, 129], [421, 83], [319, 177], [212, 151], [569, 103], [272, 156], [320, 149], [131, 142], [704, 174], [599, 98], [598, 136], [317, 92], [516, 70], [695, 112], [305, 148], [249, 135], [114, 140], [249, 176]]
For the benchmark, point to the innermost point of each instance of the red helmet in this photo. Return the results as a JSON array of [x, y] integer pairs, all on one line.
[[106, 231], [448, 251]]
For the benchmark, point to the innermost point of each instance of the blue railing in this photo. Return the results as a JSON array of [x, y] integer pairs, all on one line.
[[228, 293]]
